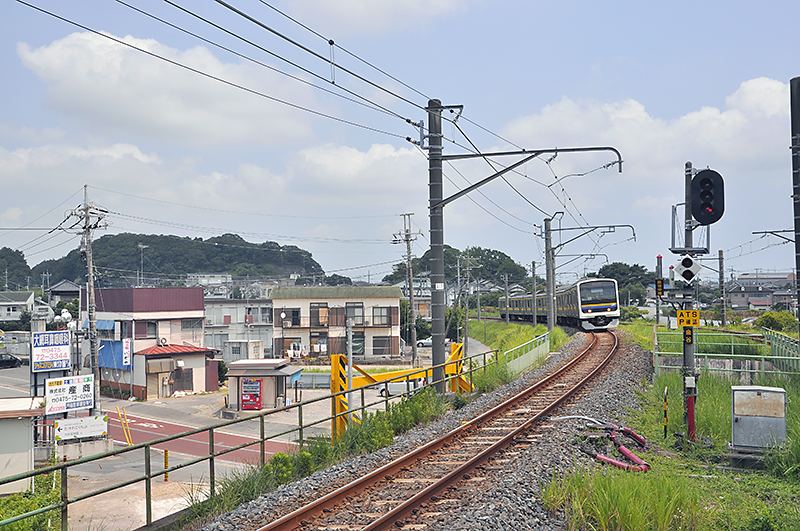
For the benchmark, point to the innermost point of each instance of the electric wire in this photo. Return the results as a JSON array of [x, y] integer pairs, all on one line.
[[221, 210], [198, 228], [210, 76], [372, 104], [332, 43], [315, 54]]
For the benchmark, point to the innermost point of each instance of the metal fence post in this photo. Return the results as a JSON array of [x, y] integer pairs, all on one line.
[[300, 422], [148, 488], [64, 500], [211, 462], [386, 395], [261, 444]]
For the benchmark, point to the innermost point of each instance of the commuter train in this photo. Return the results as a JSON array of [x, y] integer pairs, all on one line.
[[589, 304]]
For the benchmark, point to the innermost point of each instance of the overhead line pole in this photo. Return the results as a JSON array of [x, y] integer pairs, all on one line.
[[437, 203], [794, 89]]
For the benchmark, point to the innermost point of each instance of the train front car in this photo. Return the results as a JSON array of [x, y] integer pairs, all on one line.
[[598, 302]]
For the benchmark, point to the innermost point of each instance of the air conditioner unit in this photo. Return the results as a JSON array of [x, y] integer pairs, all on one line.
[[163, 341], [209, 322], [366, 322], [287, 324]]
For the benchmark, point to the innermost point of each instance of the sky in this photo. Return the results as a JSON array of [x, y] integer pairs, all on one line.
[[267, 130]]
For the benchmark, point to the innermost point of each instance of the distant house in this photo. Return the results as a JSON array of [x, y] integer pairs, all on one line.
[[131, 322], [312, 321], [741, 297], [13, 303], [64, 291], [239, 328]]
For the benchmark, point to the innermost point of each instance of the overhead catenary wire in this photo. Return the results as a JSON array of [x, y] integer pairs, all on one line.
[[365, 101], [211, 76]]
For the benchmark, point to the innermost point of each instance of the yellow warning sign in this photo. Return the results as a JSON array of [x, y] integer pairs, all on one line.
[[688, 317]]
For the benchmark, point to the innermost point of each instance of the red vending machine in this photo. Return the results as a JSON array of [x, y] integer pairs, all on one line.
[[251, 394]]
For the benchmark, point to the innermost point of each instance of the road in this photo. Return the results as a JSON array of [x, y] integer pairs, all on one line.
[[144, 429], [15, 382]]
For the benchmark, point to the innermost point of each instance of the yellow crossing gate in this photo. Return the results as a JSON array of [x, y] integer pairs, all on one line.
[[458, 384]]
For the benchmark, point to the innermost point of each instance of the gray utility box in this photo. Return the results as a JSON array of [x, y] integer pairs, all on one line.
[[758, 416]]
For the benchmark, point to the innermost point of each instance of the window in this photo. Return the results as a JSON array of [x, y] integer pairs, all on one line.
[[145, 329], [191, 324], [381, 346], [319, 313], [380, 316], [358, 343], [236, 351], [266, 315], [355, 311]]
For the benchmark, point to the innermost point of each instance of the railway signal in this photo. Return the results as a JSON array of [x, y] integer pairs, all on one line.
[[708, 197], [687, 268]]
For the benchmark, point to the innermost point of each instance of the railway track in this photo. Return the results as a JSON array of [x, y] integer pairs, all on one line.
[[408, 491]]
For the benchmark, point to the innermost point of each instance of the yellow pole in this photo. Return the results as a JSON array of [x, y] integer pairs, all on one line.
[[166, 465]]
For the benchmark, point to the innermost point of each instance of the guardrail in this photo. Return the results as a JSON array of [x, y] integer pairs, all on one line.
[[150, 474], [764, 354], [520, 358]]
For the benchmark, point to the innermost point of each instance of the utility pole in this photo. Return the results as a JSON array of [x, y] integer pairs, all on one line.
[[549, 260], [437, 240], [508, 302], [794, 90], [533, 288], [458, 296], [92, 219], [722, 287], [408, 238]]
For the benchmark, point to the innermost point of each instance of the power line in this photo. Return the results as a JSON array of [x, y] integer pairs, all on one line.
[[372, 104], [332, 43], [210, 76], [238, 211]]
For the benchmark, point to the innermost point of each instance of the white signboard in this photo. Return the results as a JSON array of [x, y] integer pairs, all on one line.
[[68, 394], [81, 427], [51, 351], [126, 352]]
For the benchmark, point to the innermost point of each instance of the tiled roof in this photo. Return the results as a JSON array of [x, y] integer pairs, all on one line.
[[174, 349], [15, 296], [338, 292]]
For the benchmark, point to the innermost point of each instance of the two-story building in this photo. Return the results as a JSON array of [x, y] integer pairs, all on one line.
[[239, 328], [14, 303], [312, 321], [151, 341]]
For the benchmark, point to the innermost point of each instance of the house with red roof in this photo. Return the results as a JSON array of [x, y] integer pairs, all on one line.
[[151, 342]]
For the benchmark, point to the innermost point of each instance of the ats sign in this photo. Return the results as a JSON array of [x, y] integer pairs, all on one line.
[[68, 394], [51, 351]]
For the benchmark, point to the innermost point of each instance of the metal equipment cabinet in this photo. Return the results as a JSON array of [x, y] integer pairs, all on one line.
[[758, 416]]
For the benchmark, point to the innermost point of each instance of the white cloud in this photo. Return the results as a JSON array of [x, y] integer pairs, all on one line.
[[104, 83]]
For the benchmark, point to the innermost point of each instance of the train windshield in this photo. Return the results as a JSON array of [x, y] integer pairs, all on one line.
[[600, 291]]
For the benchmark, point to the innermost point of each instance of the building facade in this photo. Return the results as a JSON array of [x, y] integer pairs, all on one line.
[[239, 328], [313, 321]]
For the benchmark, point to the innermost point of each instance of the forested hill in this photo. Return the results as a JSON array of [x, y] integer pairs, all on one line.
[[167, 260]]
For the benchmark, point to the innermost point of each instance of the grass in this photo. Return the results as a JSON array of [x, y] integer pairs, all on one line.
[[684, 488], [501, 337], [47, 491], [375, 431]]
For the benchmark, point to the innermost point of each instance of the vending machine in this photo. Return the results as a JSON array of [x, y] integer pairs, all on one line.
[[251, 394]]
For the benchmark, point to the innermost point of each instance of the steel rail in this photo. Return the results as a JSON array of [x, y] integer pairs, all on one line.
[[388, 520], [295, 518]]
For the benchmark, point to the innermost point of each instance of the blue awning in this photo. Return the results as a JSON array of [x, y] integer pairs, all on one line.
[[102, 324]]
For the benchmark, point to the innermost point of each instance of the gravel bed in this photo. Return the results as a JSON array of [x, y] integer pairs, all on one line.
[[507, 500]]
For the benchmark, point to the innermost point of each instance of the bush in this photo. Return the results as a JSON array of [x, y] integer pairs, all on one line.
[[778, 321]]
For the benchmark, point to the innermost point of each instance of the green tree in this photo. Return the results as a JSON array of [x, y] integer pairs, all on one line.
[[778, 321], [13, 264], [338, 280]]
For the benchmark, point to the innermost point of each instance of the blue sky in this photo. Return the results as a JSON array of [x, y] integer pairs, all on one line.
[[168, 151]]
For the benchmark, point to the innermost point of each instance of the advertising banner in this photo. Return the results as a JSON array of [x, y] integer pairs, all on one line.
[[68, 394], [51, 351], [81, 427], [126, 352]]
